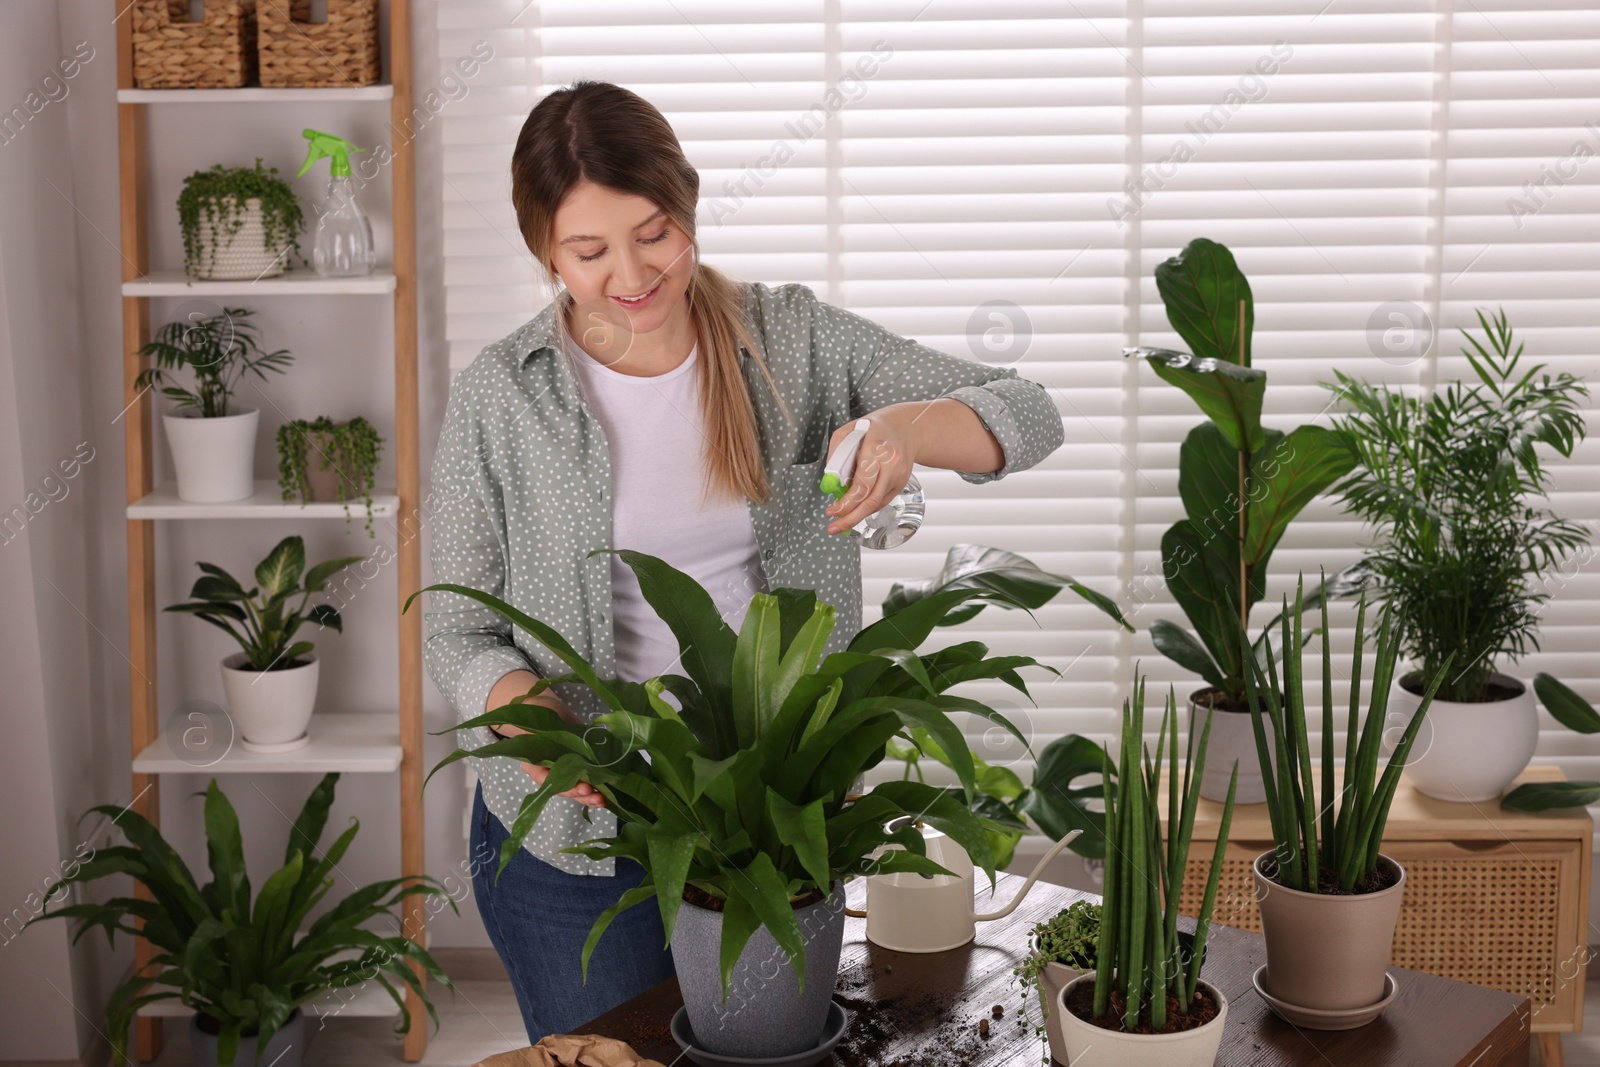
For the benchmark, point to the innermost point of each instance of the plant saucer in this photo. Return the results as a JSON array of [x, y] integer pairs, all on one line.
[[1322, 1019], [832, 1031], [276, 746]]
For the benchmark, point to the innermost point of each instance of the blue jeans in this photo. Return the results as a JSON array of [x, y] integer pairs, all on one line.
[[538, 918]]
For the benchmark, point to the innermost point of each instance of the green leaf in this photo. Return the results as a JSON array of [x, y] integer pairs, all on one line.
[[803, 828], [1202, 287], [1565, 705], [280, 571], [1286, 476], [1206, 587], [313, 818], [1228, 394], [225, 852], [1058, 806], [318, 576], [1176, 643], [1018, 579], [707, 642], [755, 669], [1548, 796], [670, 855]]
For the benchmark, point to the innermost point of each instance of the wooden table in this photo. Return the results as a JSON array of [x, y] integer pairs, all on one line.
[[1497, 898], [925, 1010]]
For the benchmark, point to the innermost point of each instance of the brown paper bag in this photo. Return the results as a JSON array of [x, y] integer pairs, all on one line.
[[571, 1050]]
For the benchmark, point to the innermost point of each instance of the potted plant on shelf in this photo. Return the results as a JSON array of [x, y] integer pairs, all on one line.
[[239, 223], [319, 459], [1241, 485], [1060, 949], [271, 685], [735, 801], [1144, 1003], [1446, 481], [213, 443], [245, 966], [1329, 898]]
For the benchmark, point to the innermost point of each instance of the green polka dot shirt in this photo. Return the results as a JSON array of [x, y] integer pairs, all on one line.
[[523, 477]]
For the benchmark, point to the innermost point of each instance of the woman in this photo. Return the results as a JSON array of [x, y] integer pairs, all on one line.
[[691, 422]]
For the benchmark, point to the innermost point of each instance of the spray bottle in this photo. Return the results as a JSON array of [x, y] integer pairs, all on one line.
[[889, 526], [343, 245]]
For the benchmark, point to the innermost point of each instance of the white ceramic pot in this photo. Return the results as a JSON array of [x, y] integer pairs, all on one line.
[[1094, 1046], [1466, 751], [242, 255], [1232, 739], [214, 458], [1052, 980], [270, 709]]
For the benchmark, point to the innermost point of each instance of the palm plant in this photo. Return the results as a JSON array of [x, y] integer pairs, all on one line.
[[1446, 480], [739, 794], [245, 963], [1320, 846], [1140, 962], [218, 350]]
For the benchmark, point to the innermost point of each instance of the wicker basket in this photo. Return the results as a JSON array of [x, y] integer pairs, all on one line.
[[239, 256], [171, 52], [341, 53]]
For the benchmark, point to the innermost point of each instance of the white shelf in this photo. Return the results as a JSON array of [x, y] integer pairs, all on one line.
[[339, 742], [295, 282], [366, 1000], [265, 503], [252, 94]]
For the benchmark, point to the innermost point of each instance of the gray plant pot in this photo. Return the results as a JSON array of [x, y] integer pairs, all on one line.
[[765, 1014], [284, 1049]]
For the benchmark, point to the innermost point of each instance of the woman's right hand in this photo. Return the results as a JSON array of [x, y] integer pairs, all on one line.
[[513, 688]]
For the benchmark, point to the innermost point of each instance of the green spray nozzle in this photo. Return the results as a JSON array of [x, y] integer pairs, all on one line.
[[335, 148]]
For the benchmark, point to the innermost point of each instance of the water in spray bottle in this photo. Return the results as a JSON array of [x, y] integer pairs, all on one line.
[[343, 246]]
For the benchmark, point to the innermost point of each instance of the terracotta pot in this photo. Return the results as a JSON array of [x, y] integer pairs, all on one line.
[[323, 476], [1467, 751], [1327, 951], [1088, 1045], [1233, 738]]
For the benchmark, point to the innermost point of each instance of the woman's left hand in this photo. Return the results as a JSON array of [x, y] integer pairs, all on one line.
[[883, 464]]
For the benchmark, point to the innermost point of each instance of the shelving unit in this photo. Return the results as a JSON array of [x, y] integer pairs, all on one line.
[[340, 741]]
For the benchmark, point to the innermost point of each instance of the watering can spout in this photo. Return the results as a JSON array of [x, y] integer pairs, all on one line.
[[1038, 868]]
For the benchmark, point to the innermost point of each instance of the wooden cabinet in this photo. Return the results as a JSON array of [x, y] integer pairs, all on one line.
[[1492, 897]]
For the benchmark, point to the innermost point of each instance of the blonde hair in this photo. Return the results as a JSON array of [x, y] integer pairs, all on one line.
[[602, 133]]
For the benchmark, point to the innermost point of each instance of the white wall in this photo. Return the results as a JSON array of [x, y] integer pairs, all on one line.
[[63, 658]]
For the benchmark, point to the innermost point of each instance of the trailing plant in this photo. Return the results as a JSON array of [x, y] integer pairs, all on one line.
[[260, 619], [220, 194], [1140, 963], [350, 448], [1070, 937], [218, 350], [739, 794], [1329, 842], [246, 963], [1241, 483], [1445, 480]]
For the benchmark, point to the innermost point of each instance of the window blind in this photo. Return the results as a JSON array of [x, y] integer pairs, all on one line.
[[999, 180]]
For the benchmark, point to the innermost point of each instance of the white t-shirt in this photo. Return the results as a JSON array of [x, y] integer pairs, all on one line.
[[655, 432]]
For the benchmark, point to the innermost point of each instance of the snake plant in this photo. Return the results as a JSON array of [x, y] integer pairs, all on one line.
[[743, 791]]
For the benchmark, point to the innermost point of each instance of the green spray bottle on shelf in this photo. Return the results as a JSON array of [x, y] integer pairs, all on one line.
[[343, 244]]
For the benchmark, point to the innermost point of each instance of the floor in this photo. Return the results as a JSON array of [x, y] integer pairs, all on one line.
[[482, 1019]]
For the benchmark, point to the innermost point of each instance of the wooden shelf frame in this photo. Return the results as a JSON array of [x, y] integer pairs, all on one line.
[[140, 286]]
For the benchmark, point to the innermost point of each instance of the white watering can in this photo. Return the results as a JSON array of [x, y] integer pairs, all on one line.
[[911, 912]]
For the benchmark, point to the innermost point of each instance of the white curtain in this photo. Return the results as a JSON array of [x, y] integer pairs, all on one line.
[[1000, 179]]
